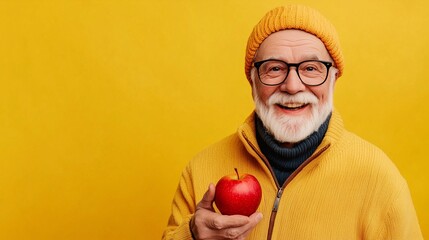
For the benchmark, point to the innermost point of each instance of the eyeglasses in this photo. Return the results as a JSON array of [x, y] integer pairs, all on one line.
[[274, 72]]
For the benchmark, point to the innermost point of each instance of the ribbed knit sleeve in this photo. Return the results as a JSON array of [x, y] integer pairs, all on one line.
[[182, 210], [400, 220]]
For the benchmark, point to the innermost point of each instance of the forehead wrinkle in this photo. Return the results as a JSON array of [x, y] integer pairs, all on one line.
[[285, 53], [301, 58], [292, 45]]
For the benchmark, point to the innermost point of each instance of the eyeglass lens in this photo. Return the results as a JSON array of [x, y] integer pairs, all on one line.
[[274, 72]]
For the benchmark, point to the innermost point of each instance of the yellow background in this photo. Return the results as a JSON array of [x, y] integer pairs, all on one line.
[[102, 103]]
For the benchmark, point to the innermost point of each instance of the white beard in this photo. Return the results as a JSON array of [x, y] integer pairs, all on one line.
[[293, 129]]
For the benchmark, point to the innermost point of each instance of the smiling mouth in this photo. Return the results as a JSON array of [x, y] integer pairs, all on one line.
[[293, 106]]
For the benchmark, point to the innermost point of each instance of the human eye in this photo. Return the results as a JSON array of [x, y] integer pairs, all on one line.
[[310, 67], [273, 67]]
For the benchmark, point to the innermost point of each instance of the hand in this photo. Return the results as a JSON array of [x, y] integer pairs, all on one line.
[[207, 224]]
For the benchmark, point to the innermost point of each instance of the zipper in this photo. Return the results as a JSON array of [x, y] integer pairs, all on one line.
[[288, 180], [280, 191], [277, 201], [274, 213]]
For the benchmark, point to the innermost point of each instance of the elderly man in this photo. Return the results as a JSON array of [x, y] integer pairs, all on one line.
[[319, 181]]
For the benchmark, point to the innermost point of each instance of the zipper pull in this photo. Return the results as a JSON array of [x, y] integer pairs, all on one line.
[[277, 201]]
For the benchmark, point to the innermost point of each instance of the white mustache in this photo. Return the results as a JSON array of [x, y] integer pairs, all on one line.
[[284, 99]]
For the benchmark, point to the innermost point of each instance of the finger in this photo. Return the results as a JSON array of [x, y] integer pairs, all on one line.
[[241, 232], [224, 221], [255, 218], [208, 198]]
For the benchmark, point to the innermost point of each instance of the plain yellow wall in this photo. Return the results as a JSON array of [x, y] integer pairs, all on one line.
[[102, 103]]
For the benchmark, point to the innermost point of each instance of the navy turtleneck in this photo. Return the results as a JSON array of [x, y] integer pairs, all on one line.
[[284, 161]]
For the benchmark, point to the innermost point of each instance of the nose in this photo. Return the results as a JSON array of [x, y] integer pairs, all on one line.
[[292, 84]]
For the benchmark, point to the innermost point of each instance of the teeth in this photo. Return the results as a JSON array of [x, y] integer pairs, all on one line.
[[293, 105]]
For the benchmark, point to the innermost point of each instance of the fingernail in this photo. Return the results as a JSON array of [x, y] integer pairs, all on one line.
[[259, 217]]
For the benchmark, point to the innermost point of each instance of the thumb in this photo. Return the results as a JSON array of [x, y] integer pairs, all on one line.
[[208, 198]]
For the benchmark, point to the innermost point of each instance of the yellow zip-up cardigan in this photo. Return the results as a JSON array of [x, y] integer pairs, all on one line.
[[348, 189]]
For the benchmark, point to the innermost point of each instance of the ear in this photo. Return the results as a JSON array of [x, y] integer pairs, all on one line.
[[336, 75], [252, 88], [252, 82]]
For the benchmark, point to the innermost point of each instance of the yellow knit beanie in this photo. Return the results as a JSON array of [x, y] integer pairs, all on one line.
[[295, 17]]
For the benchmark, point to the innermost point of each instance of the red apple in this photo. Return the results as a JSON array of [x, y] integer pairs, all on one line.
[[237, 194]]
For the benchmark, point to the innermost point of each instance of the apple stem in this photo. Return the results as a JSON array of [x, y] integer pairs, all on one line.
[[236, 171]]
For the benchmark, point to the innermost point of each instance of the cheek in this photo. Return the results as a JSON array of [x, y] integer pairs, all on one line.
[[321, 96], [264, 92], [322, 93]]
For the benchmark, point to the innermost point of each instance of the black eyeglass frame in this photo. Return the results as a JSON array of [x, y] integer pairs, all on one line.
[[296, 65]]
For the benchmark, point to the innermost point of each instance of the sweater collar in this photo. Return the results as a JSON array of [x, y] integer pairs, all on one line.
[[247, 133], [302, 148]]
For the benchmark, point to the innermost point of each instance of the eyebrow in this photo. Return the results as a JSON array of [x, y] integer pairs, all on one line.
[[311, 57], [303, 58]]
